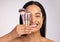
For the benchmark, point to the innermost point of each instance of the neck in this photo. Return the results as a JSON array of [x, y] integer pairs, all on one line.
[[35, 37]]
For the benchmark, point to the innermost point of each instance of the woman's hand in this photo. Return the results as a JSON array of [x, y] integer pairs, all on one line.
[[22, 29]]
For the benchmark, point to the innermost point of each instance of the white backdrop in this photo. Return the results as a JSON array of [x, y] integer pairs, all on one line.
[[9, 16]]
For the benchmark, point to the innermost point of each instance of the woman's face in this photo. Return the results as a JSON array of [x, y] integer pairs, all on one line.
[[36, 20]]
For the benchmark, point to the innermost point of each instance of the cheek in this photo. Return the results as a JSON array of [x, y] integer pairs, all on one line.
[[40, 21]]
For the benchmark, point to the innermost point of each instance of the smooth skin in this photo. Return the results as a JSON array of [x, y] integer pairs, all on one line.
[[32, 31]]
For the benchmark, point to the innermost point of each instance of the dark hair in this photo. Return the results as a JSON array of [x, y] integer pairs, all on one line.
[[43, 28]]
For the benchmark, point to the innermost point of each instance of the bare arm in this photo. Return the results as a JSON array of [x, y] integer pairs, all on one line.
[[8, 37]]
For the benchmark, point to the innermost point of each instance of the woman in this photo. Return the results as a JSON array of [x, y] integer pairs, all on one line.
[[36, 29]]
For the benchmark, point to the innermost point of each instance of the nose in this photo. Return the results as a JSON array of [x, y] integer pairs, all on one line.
[[32, 19]]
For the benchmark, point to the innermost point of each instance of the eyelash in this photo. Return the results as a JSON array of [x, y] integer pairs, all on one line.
[[38, 16]]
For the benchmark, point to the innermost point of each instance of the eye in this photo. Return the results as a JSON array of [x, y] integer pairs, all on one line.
[[37, 16]]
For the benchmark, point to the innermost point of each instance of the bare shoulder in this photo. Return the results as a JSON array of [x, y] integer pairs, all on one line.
[[16, 40], [46, 40]]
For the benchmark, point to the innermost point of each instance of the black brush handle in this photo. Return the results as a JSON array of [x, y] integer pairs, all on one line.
[[21, 22]]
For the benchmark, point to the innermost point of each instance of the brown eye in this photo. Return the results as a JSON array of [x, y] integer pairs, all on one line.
[[37, 16]]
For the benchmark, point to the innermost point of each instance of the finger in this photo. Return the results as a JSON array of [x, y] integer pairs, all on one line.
[[27, 30]]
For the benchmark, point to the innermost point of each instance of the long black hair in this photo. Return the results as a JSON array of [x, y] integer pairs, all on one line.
[[43, 28]]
